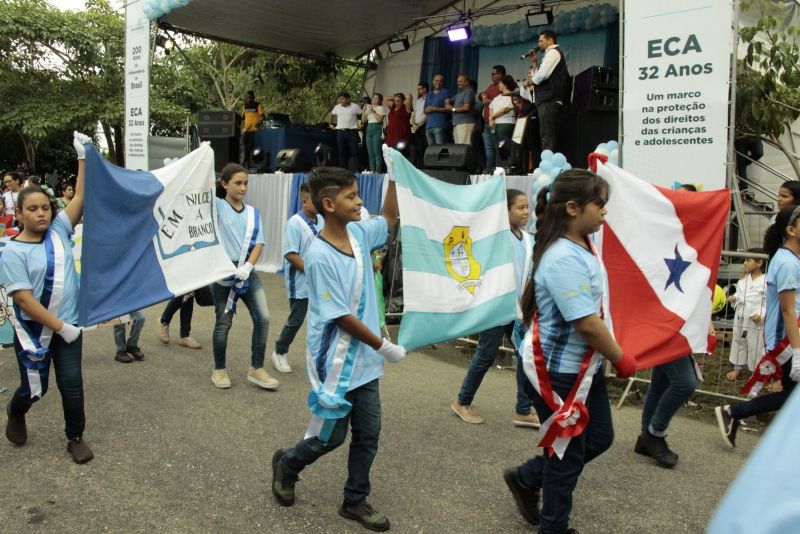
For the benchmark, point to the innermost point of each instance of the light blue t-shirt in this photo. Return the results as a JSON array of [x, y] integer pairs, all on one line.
[[519, 253], [783, 274], [569, 286], [23, 266], [331, 278], [300, 231], [233, 225]]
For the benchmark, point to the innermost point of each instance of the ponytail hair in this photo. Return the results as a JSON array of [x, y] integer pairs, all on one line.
[[552, 220], [775, 235], [228, 172]]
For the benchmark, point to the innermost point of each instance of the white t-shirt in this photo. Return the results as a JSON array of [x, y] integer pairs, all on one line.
[[11, 201], [500, 102], [372, 110], [346, 117], [419, 109]]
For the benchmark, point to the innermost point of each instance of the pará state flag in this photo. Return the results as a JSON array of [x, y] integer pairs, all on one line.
[[148, 236], [661, 249], [458, 272]]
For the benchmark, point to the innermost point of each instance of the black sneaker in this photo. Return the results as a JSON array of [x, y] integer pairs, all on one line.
[[655, 447], [727, 424], [568, 531], [136, 352], [282, 484], [123, 357], [79, 450], [365, 514], [527, 499], [16, 431]]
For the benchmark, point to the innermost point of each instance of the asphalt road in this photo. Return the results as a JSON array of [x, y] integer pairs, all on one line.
[[175, 454]]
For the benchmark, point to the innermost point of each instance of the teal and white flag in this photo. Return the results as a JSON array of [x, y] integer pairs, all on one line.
[[458, 272]]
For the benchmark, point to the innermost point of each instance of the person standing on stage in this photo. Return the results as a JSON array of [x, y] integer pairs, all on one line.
[[252, 118], [347, 116], [463, 120], [418, 119], [551, 87], [489, 149], [436, 105]]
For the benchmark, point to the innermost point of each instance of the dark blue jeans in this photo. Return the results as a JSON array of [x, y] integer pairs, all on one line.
[[488, 344], [670, 387], [297, 314], [558, 477], [771, 402], [365, 422], [256, 302], [66, 358], [187, 309], [137, 318], [489, 148], [347, 149]]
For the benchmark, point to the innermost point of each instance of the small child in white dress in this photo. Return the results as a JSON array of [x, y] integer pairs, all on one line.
[[747, 346]]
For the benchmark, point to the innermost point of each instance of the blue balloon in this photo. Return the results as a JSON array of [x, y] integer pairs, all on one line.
[[547, 154], [612, 145], [546, 166], [566, 167], [558, 159]]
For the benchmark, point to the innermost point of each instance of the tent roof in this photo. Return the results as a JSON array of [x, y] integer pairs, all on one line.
[[347, 28]]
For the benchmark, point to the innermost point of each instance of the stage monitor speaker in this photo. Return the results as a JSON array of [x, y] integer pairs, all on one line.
[[226, 150], [449, 176], [216, 124], [292, 160], [604, 78], [454, 157]]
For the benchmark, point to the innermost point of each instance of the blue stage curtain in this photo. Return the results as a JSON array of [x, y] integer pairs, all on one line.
[[440, 56]]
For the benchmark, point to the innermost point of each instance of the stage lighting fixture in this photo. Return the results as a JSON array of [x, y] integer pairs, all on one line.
[[539, 17], [166, 43], [398, 44], [459, 33], [503, 148], [258, 160], [324, 155]]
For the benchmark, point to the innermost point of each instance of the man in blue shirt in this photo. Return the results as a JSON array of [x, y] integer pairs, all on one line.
[[436, 106]]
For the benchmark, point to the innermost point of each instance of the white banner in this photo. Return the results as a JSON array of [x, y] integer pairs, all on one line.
[[677, 57], [137, 86]]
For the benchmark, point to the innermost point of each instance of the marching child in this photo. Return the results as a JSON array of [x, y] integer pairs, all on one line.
[[563, 349], [489, 340], [301, 228], [345, 351], [243, 238], [747, 346], [38, 270], [781, 333]]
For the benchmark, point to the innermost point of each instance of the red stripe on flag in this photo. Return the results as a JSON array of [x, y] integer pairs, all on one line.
[[642, 325]]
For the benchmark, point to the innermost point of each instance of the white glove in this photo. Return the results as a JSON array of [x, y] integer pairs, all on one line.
[[69, 333], [391, 352], [243, 272], [78, 140], [795, 372]]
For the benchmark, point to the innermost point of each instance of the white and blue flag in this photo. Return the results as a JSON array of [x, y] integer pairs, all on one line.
[[148, 236], [458, 270]]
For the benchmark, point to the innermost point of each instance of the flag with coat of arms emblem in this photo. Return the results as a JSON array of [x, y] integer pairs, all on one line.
[[661, 249]]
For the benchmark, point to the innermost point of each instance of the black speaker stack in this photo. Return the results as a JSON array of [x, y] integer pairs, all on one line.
[[596, 89], [221, 129], [449, 163]]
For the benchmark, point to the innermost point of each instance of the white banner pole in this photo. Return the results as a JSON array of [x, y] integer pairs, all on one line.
[[137, 87]]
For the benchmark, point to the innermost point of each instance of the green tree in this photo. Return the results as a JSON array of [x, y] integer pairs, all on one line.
[[768, 78]]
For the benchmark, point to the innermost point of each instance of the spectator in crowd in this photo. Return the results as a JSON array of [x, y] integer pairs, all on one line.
[[67, 194], [252, 118], [418, 119], [373, 116], [399, 127], [184, 303], [749, 148], [436, 105], [550, 86], [489, 94], [13, 182], [347, 118], [502, 115], [462, 105]]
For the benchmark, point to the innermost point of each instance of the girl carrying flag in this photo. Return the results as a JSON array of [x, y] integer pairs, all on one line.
[[38, 270]]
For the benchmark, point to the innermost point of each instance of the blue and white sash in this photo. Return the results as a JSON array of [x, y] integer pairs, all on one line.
[[519, 328], [309, 227], [34, 337], [240, 287], [327, 399]]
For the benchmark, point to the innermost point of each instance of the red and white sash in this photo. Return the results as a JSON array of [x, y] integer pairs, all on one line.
[[570, 416], [769, 367]]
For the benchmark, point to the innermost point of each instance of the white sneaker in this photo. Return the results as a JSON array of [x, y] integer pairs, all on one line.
[[281, 363], [220, 378]]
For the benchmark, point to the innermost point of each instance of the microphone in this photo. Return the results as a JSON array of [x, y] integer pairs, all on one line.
[[529, 53]]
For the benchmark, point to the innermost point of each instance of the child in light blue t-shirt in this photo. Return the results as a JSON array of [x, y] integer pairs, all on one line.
[[345, 350], [301, 229], [562, 307], [38, 270]]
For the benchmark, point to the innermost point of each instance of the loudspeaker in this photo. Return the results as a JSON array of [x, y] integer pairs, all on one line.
[[217, 124], [581, 132], [510, 156], [292, 160], [451, 177], [325, 155], [604, 78], [226, 150], [455, 157], [596, 100]]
